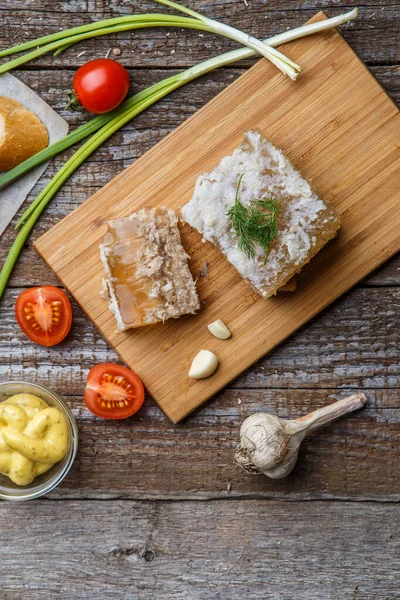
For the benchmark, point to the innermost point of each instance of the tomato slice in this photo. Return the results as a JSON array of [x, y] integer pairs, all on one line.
[[113, 391], [44, 314]]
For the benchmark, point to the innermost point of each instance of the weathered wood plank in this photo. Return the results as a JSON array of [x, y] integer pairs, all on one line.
[[31, 270], [147, 457], [373, 35], [98, 8], [200, 551], [353, 344], [356, 457], [171, 111], [388, 274], [52, 86], [259, 548]]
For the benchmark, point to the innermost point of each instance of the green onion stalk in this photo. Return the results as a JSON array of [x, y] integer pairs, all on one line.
[[57, 42], [97, 122], [108, 124]]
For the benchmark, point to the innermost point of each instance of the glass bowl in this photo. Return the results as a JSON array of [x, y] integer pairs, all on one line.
[[42, 484]]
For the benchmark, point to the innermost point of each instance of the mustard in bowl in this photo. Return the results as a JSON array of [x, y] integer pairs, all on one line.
[[38, 440]]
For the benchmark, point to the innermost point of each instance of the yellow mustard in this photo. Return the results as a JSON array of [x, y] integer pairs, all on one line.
[[33, 437]]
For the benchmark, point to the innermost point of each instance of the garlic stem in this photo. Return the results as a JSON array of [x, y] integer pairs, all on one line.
[[324, 415]]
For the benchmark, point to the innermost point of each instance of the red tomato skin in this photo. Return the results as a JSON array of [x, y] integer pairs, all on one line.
[[101, 85], [94, 388], [32, 299]]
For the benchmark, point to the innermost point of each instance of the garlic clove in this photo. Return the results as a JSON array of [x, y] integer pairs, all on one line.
[[203, 365], [219, 330]]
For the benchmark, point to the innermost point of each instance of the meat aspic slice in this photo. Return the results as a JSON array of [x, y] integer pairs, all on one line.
[[147, 277]]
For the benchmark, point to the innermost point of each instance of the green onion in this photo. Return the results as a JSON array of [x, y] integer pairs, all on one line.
[[62, 48], [127, 111], [69, 140], [136, 22], [61, 40], [97, 122], [281, 61], [32, 214], [74, 31]]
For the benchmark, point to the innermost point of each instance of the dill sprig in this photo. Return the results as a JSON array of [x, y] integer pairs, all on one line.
[[255, 223]]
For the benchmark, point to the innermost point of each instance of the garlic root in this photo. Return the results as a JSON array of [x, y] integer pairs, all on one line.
[[270, 445]]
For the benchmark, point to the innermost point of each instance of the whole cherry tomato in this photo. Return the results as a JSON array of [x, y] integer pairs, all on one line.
[[101, 85]]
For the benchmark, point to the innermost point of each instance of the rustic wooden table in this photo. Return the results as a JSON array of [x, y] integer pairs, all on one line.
[[152, 510]]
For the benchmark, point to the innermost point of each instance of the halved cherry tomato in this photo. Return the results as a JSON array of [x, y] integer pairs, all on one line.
[[101, 85], [44, 314], [113, 392]]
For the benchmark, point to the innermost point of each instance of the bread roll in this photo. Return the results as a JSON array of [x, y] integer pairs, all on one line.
[[22, 134]]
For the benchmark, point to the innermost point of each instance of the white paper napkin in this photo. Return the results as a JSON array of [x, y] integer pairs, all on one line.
[[12, 197]]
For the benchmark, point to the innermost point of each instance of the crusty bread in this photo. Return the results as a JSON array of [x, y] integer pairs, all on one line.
[[147, 277], [305, 223], [22, 134]]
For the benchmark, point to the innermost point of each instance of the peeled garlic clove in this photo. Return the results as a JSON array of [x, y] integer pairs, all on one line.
[[219, 330], [203, 365]]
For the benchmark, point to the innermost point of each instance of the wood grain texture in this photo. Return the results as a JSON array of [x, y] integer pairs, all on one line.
[[355, 458], [333, 124], [374, 35], [200, 551], [354, 343], [230, 548]]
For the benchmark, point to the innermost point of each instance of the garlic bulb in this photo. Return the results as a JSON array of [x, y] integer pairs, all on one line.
[[219, 330], [203, 365], [270, 445]]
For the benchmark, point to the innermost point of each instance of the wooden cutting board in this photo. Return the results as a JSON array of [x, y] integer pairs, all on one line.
[[338, 126]]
